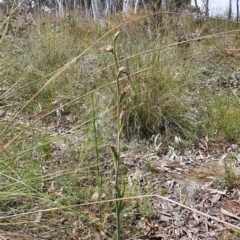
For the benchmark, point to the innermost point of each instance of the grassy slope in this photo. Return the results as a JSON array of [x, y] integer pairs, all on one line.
[[188, 90]]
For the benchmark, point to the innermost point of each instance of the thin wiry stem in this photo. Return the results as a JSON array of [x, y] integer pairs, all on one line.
[[117, 156]]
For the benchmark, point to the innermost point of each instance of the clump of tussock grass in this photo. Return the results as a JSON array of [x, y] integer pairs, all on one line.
[[224, 114], [160, 109], [49, 46]]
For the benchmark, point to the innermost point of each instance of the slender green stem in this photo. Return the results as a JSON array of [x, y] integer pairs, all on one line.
[[7, 21], [117, 159], [95, 132], [118, 222], [119, 190]]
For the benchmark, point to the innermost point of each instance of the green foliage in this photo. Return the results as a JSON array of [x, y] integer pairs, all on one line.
[[161, 105], [227, 235], [231, 179], [225, 117]]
